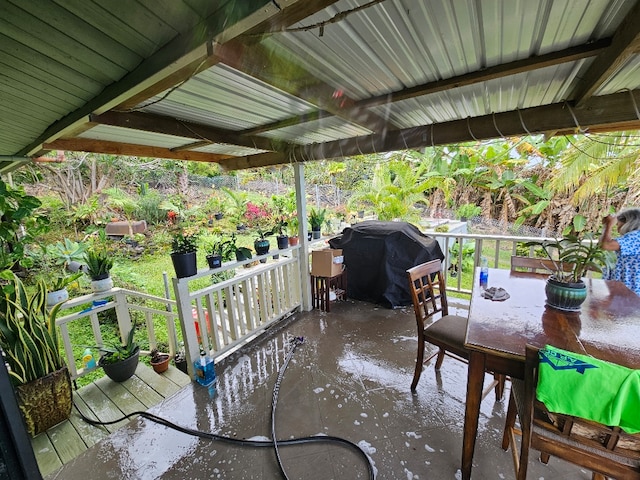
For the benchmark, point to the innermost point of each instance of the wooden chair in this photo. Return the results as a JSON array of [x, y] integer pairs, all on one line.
[[428, 292], [535, 265], [606, 451]]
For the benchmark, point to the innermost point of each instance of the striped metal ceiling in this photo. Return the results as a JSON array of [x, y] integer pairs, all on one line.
[[64, 63]]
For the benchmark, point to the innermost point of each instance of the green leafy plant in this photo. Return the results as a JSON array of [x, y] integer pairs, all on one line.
[[316, 217], [243, 251], [99, 263], [573, 254], [62, 281], [20, 225], [113, 352], [292, 226], [28, 334], [184, 242], [221, 246], [468, 210]]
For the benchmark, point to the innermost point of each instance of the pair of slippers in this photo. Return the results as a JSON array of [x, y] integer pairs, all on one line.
[[496, 294]]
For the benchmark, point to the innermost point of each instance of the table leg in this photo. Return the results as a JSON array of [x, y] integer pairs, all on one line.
[[475, 380]]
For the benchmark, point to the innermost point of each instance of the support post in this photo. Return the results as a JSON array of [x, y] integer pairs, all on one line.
[[301, 205]]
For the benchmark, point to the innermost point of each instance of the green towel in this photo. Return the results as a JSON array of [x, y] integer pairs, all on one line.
[[583, 386]]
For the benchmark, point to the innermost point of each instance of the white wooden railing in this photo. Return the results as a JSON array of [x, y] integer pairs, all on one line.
[[123, 302], [234, 311], [220, 317]]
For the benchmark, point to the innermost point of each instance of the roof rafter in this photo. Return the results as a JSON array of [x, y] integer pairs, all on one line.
[[625, 42], [149, 122]]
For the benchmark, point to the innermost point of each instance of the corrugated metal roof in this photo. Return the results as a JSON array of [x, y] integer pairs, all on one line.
[[61, 61]]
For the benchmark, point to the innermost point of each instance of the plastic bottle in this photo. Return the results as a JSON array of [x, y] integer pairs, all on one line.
[[484, 273], [88, 360], [205, 373]]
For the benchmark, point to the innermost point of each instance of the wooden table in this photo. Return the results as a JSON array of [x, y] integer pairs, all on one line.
[[607, 327]]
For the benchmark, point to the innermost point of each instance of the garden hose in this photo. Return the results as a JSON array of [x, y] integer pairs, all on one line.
[[249, 443]]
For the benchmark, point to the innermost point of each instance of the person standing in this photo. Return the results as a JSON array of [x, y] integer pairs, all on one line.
[[626, 246]]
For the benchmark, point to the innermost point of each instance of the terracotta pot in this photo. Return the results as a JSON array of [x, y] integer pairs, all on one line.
[[293, 241], [162, 364]]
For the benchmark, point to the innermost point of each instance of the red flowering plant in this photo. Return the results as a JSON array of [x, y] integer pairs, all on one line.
[[259, 218]]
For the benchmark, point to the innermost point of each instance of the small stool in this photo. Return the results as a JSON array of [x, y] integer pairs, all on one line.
[[321, 286]]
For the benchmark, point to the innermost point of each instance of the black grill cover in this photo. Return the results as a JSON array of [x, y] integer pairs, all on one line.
[[378, 255]]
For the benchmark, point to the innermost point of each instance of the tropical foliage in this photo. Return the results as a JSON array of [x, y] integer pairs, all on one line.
[[28, 335]]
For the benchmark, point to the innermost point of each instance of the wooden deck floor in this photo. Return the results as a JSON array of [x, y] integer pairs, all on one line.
[[104, 400]]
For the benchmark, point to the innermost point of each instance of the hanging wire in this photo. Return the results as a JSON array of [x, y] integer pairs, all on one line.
[[469, 128], [493, 116], [575, 119], [522, 122], [338, 17]]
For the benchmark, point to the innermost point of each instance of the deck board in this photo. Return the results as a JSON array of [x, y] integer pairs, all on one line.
[[106, 401]]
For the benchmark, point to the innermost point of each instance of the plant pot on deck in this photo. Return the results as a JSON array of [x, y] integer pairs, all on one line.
[[160, 363], [122, 370], [46, 401], [283, 242]]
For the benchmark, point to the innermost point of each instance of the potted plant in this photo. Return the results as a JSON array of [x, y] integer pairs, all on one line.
[[219, 251], [241, 253], [57, 287], [467, 211], [159, 361], [184, 246], [293, 231], [261, 244], [572, 256], [119, 361], [99, 264], [29, 340], [282, 238], [316, 219]]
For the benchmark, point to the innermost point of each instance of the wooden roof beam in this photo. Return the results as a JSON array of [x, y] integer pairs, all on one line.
[[609, 111], [170, 126], [625, 42], [130, 149]]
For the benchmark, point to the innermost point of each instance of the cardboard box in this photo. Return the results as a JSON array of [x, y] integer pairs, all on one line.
[[323, 262]]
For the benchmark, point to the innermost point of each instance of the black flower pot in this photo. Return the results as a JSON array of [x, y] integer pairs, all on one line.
[[218, 216], [240, 256], [185, 264], [315, 234], [283, 242], [564, 296], [214, 261], [123, 370]]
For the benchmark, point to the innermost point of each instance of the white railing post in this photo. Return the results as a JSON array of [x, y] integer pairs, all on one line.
[[303, 251], [189, 336], [122, 313]]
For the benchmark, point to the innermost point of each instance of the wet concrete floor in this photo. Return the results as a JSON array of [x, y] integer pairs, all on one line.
[[350, 379]]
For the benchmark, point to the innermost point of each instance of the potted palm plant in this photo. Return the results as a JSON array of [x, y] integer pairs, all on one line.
[[572, 256], [29, 340], [184, 246], [119, 361], [99, 264]]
